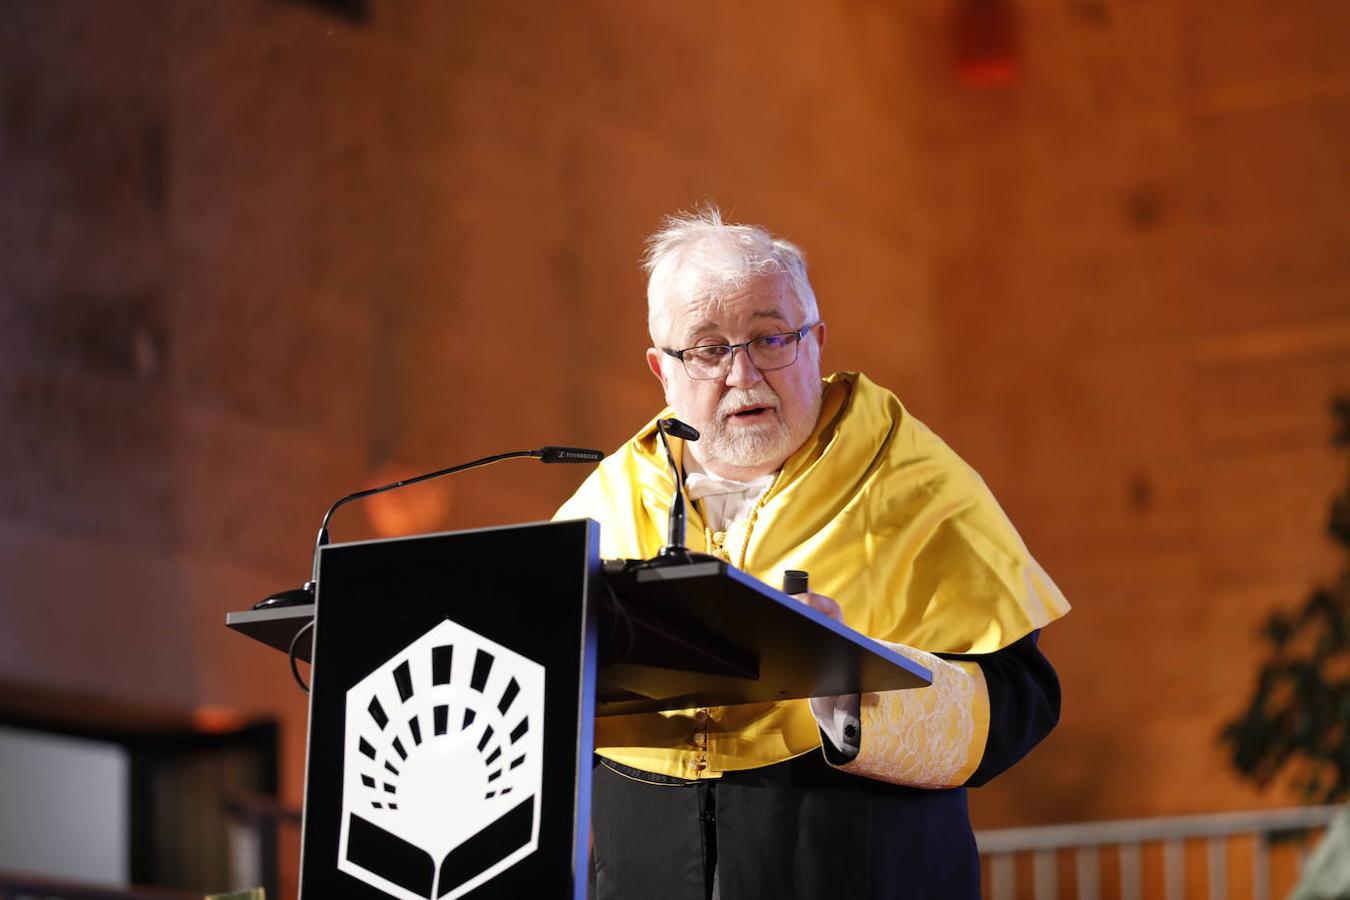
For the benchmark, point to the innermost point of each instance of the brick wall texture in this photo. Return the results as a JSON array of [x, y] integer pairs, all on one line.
[[255, 253]]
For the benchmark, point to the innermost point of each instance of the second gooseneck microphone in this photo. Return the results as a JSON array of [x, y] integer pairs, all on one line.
[[548, 454], [306, 593]]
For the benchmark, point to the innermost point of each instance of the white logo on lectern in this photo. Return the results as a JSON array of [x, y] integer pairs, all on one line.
[[442, 770]]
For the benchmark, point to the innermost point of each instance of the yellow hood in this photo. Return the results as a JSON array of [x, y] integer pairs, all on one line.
[[887, 519]]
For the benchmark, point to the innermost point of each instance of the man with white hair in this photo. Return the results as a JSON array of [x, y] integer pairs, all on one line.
[[839, 796]]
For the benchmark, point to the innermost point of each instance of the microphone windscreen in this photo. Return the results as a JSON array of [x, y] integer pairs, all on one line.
[[676, 428], [569, 455]]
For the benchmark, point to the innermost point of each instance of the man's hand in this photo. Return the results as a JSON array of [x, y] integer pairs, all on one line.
[[836, 716], [821, 603]]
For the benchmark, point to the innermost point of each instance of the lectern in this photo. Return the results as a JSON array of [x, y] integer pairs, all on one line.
[[455, 682]]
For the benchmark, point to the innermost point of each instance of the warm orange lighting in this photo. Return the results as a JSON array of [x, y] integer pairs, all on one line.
[[217, 719], [409, 510]]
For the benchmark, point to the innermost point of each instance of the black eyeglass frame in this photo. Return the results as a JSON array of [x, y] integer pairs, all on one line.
[[799, 334]]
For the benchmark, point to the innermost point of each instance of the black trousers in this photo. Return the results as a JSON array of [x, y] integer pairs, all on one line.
[[798, 829]]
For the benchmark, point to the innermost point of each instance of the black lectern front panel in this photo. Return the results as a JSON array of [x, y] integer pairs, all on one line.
[[451, 716]]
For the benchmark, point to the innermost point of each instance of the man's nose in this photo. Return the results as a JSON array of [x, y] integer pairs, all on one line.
[[743, 372]]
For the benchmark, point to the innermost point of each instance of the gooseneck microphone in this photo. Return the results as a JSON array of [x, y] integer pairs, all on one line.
[[305, 593], [674, 551]]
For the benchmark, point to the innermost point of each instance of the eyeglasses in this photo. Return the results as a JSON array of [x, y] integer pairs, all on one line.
[[772, 351]]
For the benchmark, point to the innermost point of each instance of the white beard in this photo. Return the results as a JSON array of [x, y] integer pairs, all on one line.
[[749, 447], [768, 440]]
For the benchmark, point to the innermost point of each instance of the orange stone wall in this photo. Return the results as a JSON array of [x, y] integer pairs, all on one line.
[[256, 254]]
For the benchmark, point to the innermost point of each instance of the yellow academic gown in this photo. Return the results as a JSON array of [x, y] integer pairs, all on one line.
[[894, 526]]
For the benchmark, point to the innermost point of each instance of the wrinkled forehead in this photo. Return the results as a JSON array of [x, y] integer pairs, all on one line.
[[768, 300]]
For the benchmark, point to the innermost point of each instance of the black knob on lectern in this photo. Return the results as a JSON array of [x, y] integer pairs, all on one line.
[[794, 581]]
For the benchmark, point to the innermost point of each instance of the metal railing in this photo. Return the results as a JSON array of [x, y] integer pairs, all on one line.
[[1127, 838]]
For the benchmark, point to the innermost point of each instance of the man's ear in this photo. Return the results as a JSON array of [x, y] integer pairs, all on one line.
[[820, 336], [654, 357]]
